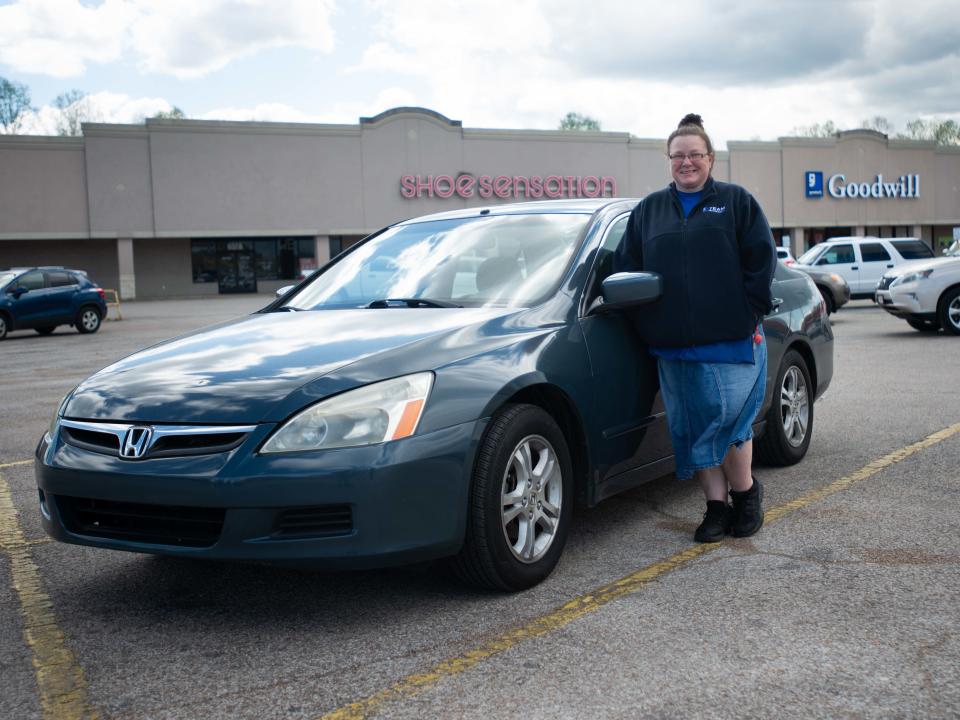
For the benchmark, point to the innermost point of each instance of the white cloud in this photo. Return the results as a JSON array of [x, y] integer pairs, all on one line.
[[182, 38], [98, 107]]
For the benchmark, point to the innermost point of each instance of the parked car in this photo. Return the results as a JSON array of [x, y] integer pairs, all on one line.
[[862, 260], [443, 416], [833, 288], [925, 293], [785, 256], [42, 298]]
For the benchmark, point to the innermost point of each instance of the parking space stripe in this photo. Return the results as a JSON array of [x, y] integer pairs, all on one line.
[[63, 689], [12, 464], [413, 685]]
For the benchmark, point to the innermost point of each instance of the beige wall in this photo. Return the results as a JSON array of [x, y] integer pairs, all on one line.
[[166, 181]]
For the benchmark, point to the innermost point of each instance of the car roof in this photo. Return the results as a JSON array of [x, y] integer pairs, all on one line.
[[579, 206], [864, 238]]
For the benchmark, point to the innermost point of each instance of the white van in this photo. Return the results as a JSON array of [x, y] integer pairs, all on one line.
[[862, 261]]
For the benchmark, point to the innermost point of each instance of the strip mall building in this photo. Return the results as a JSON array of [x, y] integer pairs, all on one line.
[[187, 207]]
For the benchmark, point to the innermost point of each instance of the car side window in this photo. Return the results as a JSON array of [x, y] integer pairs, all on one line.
[[838, 255], [60, 279], [31, 281], [603, 264], [874, 252], [912, 249]]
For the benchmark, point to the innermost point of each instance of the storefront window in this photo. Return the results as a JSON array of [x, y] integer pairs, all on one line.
[[276, 258]]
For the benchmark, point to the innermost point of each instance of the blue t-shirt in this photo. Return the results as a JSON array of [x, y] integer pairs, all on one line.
[[726, 351]]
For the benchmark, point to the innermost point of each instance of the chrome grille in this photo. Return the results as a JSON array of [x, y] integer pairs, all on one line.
[[162, 440]]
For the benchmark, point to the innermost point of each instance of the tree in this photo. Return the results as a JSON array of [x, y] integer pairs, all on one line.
[[73, 109], [818, 130], [878, 123], [576, 121], [14, 105], [942, 132], [174, 113]]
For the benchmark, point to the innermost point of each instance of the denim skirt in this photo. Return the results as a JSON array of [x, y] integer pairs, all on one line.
[[711, 406]]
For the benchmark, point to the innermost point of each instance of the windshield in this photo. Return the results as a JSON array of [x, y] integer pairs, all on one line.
[[498, 260], [810, 255], [953, 250]]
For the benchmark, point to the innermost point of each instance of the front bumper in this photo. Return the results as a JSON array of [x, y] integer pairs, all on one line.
[[905, 304], [378, 505]]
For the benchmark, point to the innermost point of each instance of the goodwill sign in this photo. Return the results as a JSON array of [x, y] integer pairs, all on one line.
[[905, 186]]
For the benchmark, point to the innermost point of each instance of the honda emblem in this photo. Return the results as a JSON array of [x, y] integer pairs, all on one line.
[[136, 442]]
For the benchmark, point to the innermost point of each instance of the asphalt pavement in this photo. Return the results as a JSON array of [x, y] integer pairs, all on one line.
[[845, 605]]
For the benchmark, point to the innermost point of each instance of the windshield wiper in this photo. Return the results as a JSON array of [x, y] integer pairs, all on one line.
[[412, 303]]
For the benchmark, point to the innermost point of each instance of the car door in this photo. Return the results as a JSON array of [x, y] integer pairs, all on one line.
[[629, 435], [27, 299], [61, 288], [875, 260], [842, 259]]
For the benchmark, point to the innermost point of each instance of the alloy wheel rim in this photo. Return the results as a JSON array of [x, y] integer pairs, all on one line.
[[89, 320], [953, 312], [531, 496], [794, 406]]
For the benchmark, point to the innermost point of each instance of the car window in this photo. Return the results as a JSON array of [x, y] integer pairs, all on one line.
[[513, 260], [874, 252], [837, 255], [60, 279], [912, 249], [6, 277], [31, 281], [810, 255]]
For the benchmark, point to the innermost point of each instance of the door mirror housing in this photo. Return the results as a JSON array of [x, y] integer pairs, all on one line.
[[628, 289]]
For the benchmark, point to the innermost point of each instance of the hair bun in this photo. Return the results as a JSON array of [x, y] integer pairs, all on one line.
[[691, 119]]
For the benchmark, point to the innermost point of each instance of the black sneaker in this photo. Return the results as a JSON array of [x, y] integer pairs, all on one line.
[[747, 510], [716, 522]]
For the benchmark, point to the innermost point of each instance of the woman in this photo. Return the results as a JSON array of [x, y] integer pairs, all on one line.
[[711, 244]]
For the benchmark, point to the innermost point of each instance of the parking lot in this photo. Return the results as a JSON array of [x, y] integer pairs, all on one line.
[[844, 605]]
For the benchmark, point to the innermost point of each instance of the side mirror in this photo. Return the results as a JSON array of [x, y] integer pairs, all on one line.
[[823, 261], [284, 290], [628, 289], [18, 291]]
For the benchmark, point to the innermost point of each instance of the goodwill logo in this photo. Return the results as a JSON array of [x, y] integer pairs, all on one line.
[[905, 186]]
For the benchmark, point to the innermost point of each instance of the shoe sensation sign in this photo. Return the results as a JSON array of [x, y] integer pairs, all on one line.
[[467, 185], [903, 187]]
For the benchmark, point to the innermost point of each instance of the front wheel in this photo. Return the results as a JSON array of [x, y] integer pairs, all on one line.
[[3, 326], [790, 417], [950, 311], [88, 320], [828, 301], [521, 502]]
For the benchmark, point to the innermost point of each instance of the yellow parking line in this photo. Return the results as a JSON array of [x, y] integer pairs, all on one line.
[[63, 690], [413, 685], [18, 462]]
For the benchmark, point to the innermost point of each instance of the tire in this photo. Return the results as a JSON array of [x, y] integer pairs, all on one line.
[[45, 330], [923, 325], [828, 301], [790, 418], [88, 320], [949, 311], [4, 326], [509, 544]]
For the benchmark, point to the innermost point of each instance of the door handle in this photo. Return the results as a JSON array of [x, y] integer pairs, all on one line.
[[889, 264], [854, 267], [777, 302]]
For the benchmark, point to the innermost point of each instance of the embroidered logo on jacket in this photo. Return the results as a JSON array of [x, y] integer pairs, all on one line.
[[715, 208]]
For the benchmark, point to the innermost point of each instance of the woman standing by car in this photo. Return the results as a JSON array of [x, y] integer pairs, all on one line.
[[712, 246]]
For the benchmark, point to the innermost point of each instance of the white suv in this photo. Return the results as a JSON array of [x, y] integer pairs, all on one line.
[[861, 261], [925, 293]]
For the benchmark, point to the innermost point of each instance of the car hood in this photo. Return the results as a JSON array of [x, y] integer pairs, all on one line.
[[914, 265], [241, 371]]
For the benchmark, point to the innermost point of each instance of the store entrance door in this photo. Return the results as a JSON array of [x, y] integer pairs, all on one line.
[[236, 271]]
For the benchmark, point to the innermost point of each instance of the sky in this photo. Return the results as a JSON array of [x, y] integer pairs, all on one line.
[[753, 69]]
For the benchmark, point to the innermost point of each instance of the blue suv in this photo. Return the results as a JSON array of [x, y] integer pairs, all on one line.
[[43, 297]]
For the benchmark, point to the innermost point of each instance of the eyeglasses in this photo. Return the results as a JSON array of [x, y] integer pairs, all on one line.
[[692, 157]]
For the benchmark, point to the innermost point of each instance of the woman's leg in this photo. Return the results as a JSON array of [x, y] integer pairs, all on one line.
[[713, 483], [736, 467]]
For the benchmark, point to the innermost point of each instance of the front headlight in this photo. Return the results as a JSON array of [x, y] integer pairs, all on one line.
[[912, 277], [387, 410], [52, 429]]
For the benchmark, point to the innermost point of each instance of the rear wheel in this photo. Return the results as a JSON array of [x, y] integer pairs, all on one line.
[[45, 330], [88, 320], [923, 325], [950, 311], [521, 502], [3, 326], [790, 417]]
